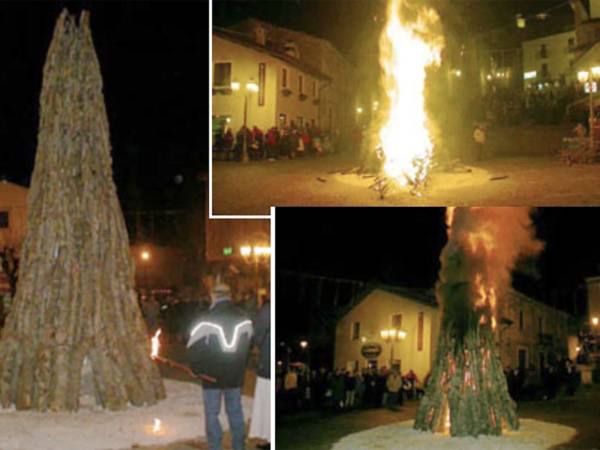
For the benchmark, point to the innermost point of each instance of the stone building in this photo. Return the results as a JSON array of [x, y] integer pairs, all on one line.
[[529, 333], [301, 78], [13, 220]]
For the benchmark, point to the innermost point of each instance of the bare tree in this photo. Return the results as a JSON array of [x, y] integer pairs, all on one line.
[[75, 298]]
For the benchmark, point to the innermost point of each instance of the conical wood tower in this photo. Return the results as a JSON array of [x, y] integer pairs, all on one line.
[[75, 299]]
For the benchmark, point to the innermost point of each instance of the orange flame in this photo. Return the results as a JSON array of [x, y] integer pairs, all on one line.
[[155, 344], [406, 51]]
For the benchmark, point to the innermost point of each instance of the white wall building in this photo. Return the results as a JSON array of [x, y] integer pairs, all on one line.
[[548, 60], [529, 333], [287, 90]]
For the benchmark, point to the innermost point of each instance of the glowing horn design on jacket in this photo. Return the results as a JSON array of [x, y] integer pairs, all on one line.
[[206, 329]]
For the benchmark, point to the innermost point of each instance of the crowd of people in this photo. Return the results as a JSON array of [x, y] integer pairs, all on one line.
[[299, 388], [527, 384], [291, 142]]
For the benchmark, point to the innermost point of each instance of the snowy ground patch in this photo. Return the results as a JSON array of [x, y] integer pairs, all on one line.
[[533, 435], [180, 416]]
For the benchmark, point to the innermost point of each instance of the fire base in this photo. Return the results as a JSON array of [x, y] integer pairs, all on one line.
[[533, 435]]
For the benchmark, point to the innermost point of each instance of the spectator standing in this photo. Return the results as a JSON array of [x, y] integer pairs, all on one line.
[[393, 385], [350, 390], [260, 424]]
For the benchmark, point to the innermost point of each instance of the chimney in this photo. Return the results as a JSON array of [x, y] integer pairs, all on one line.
[[260, 35]]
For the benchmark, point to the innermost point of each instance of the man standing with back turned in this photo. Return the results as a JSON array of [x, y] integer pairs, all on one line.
[[219, 347]]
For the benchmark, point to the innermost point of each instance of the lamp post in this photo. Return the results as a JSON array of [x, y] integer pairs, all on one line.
[[145, 257], [304, 346], [390, 336], [251, 87], [256, 255], [587, 78]]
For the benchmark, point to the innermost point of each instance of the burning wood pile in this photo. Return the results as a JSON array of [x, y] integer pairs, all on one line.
[[467, 392]]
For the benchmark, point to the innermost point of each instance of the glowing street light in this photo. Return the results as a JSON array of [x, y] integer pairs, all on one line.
[[235, 86], [595, 321], [390, 336], [145, 255], [359, 110], [304, 344], [583, 76], [246, 250]]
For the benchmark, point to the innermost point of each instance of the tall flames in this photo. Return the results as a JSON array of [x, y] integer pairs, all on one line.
[[409, 44], [492, 240], [467, 393]]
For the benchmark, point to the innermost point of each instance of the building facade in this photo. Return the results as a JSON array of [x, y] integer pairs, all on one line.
[[13, 221], [301, 79], [529, 333], [548, 60]]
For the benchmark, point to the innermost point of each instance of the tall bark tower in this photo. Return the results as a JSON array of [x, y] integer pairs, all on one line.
[[467, 392], [75, 303]]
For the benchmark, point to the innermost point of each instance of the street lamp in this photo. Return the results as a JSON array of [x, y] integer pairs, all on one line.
[[390, 336], [145, 257], [304, 347], [587, 78], [251, 87], [595, 321]]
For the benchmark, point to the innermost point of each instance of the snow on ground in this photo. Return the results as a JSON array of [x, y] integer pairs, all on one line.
[[533, 435], [180, 416]]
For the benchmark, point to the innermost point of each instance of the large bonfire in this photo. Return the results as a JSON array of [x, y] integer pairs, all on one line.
[[409, 45], [467, 393]]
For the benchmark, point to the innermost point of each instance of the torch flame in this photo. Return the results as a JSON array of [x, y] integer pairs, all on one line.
[[405, 55], [155, 344], [156, 426]]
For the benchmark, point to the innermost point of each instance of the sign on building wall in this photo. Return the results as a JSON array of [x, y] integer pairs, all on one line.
[[262, 68], [371, 351]]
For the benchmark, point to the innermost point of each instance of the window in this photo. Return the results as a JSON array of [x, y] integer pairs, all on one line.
[[284, 77], [420, 332], [544, 71], [543, 51], [300, 84], [282, 120], [222, 75], [522, 358], [571, 43], [355, 331], [314, 84], [262, 69], [313, 123], [300, 123], [3, 219], [397, 321], [521, 320]]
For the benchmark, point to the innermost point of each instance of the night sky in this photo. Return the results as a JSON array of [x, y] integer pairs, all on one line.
[[348, 22], [151, 57], [401, 246]]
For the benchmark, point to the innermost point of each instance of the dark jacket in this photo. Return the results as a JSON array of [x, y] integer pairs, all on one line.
[[262, 339], [223, 359]]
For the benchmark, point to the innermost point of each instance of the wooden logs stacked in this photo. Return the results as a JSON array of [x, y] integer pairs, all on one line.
[[75, 296]]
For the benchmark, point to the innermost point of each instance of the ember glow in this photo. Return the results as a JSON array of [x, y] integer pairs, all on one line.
[[407, 49], [155, 344]]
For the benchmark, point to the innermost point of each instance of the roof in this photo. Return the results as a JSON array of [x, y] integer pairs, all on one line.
[[247, 41], [10, 192], [424, 296]]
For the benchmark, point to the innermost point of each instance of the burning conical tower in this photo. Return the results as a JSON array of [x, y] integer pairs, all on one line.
[[467, 392]]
